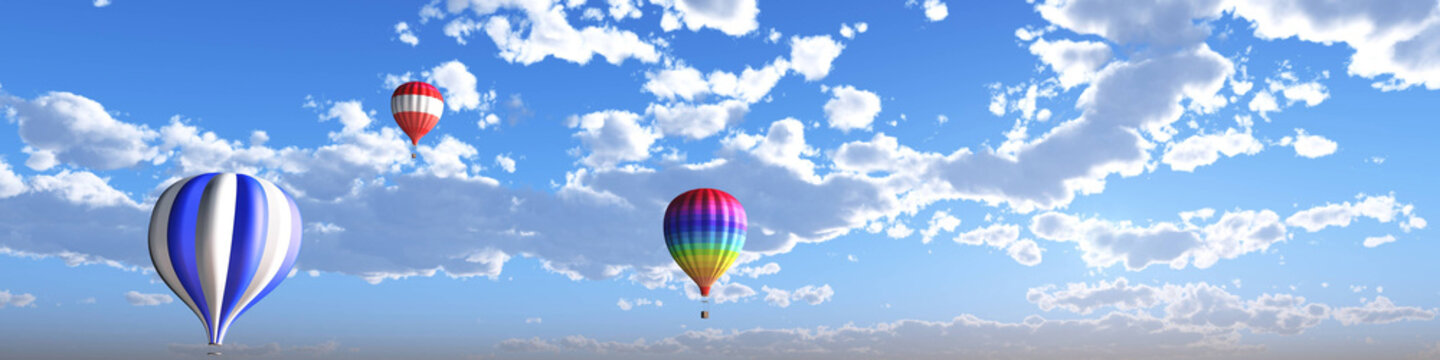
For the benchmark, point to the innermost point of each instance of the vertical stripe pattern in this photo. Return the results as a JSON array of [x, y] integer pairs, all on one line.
[[417, 107], [705, 231], [221, 242]]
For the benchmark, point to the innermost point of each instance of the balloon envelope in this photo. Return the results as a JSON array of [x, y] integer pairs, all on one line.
[[705, 231], [417, 107], [222, 241]]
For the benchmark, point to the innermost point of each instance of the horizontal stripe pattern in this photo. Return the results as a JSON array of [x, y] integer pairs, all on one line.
[[705, 232], [221, 241], [417, 107], [417, 88], [416, 103]]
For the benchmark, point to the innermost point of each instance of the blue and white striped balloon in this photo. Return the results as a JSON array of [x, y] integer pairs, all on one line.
[[222, 241]]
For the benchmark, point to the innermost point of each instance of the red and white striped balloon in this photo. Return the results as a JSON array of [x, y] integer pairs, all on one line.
[[417, 107]]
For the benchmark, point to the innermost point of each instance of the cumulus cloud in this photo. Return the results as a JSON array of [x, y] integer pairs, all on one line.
[[544, 31], [505, 162], [1159, 23], [1310, 146], [940, 221], [1074, 62], [721, 293], [11, 184], [1193, 317], [1374, 241], [935, 10], [62, 127], [850, 108], [1393, 42], [809, 294], [613, 137], [1205, 149], [140, 299], [769, 268], [686, 83], [1381, 311], [732, 17], [16, 300], [697, 121], [405, 34], [1382, 208], [459, 85], [1105, 243], [1190, 305], [812, 55], [627, 304]]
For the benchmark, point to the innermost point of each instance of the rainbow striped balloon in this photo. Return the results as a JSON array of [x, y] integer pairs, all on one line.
[[705, 230]]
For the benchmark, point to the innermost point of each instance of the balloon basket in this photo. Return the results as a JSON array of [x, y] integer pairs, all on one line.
[[214, 350], [704, 314]]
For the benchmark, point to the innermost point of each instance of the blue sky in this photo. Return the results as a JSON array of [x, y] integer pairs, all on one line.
[[924, 179]]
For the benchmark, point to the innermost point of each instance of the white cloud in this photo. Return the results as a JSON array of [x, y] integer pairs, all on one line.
[[533, 320], [1195, 317], [683, 82], [139, 299], [1264, 103], [324, 228], [1205, 149], [544, 32], [11, 184], [1382, 208], [721, 293], [769, 268], [81, 188], [784, 145], [403, 32], [882, 153], [812, 56], [448, 159], [697, 121], [1312, 93], [1026, 252], [1077, 155], [850, 108], [1381, 311], [1158, 23], [505, 162], [1189, 305], [16, 300], [1074, 62], [898, 230], [61, 127], [1105, 243], [732, 17], [627, 304], [622, 9], [809, 294], [102, 3], [1312, 146], [613, 137], [941, 221], [935, 10], [680, 82], [1396, 38], [995, 235], [1374, 241], [459, 85]]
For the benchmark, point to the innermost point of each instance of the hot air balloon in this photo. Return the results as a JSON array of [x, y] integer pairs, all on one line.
[[417, 107], [705, 231], [222, 241]]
